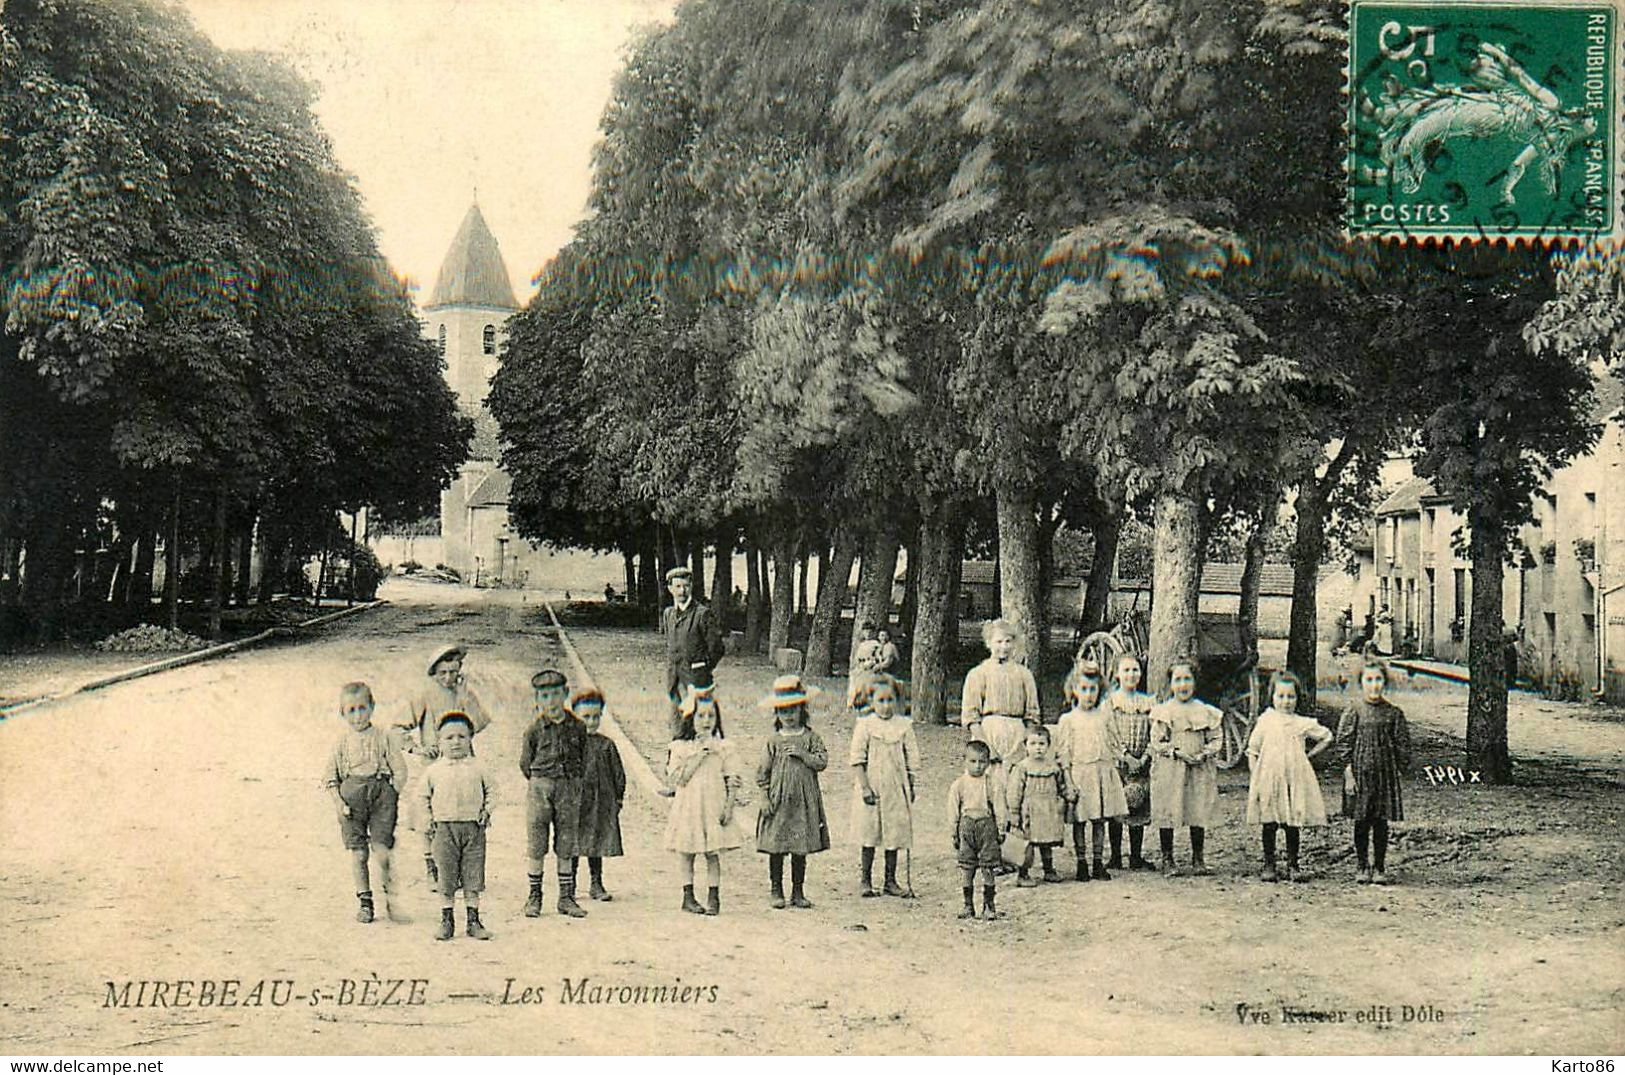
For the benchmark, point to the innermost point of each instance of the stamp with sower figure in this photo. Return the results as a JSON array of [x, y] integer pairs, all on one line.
[[1484, 120]]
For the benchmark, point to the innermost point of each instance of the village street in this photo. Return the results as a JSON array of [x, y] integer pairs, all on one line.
[[174, 829]]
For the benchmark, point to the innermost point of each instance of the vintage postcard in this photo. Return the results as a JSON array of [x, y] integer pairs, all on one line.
[[795, 527]]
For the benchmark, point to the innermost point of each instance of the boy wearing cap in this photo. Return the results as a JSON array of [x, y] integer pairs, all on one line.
[[693, 639], [552, 757], [455, 796], [446, 692], [364, 775]]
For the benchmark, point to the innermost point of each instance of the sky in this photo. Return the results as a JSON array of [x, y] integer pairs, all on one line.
[[429, 101]]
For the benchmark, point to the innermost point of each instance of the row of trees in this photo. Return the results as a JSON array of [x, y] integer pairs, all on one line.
[[203, 349], [871, 274]]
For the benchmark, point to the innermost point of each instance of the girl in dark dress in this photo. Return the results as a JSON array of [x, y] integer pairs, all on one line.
[[791, 820], [603, 790], [1374, 744]]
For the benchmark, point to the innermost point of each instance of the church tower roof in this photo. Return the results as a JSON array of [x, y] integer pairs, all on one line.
[[473, 273]]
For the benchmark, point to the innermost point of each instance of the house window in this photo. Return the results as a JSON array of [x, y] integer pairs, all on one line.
[[1459, 609], [442, 340], [490, 339]]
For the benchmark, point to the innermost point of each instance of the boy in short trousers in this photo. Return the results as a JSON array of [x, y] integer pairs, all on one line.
[[977, 822], [553, 758], [363, 775]]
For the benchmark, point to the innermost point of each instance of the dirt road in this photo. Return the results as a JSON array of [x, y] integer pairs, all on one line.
[[173, 830]]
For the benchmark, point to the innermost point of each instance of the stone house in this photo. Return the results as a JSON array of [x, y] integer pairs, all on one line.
[[1564, 594]]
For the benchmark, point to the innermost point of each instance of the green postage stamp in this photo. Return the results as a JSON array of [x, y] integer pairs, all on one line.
[[1484, 120]]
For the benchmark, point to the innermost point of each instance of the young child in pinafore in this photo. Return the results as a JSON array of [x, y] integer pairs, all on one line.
[[976, 819], [1130, 710], [455, 795], [1039, 794], [1088, 748], [552, 758], [447, 691], [1185, 740], [364, 775], [1284, 791], [603, 790], [700, 764], [885, 758], [1374, 745], [791, 818]]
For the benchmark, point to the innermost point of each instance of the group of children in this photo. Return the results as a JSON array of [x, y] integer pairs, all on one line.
[[574, 777], [1117, 759]]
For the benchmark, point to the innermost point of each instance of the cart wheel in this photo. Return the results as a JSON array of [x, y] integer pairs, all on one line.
[[1237, 729], [1103, 648]]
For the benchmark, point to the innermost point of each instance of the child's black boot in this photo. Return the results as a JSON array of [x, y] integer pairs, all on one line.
[[567, 904], [989, 912], [448, 925], [690, 904], [892, 887], [533, 905], [364, 913], [713, 901], [866, 867], [970, 902], [476, 928], [598, 891]]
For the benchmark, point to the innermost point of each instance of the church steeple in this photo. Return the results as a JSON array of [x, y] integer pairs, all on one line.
[[473, 273]]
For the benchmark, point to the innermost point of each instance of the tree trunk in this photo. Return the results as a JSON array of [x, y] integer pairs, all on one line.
[[172, 563], [274, 540], [1252, 583], [911, 583], [245, 563], [784, 594], [1176, 576], [696, 564], [648, 576], [935, 628], [629, 573], [876, 577], [1098, 591], [833, 576], [349, 557], [1019, 598], [1486, 663], [757, 607], [219, 565], [138, 594], [1308, 550], [722, 577]]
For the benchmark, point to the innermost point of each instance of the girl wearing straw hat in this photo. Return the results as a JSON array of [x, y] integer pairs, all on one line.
[[791, 820]]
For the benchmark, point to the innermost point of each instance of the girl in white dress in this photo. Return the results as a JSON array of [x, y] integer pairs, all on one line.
[[1285, 790], [885, 759], [1087, 745], [701, 765]]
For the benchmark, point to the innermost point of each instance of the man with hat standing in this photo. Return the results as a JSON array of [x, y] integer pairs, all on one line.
[[693, 639]]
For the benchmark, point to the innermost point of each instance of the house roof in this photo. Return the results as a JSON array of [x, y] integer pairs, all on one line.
[[473, 273], [492, 491], [982, 572], [1225, 578], [1406, 499], [977, 571]]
